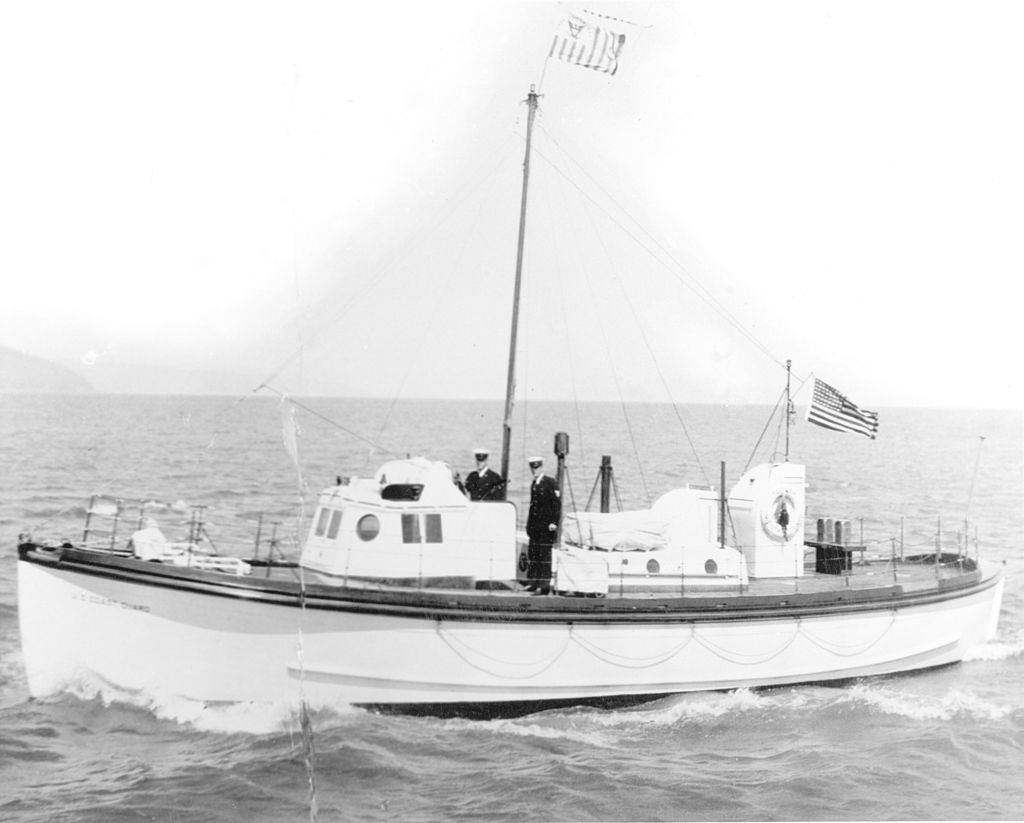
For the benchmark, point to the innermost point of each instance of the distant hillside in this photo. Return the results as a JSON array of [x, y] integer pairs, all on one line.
[[131, 378], [25, 374]]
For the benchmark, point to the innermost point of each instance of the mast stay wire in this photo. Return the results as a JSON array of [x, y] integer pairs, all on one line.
[[614, 372], [568, 347], [648, 346], [329, 318], [431, 318], [640, 328], [326, 419], [676, 268], [771, 417]]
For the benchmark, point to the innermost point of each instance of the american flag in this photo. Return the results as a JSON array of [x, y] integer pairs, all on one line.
[[581, 42], [831, 409]]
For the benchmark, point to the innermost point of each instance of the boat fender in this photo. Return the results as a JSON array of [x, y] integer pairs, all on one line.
[[781, 520]]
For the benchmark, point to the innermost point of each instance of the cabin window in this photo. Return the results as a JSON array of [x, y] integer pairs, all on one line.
[[433, 524], [321, 522], [411, 528], [414, 529], [332, 530], [710, 567], [368, 527]]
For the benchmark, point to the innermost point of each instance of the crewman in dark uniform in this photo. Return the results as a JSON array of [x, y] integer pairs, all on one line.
[[541, 527], [484, 483]]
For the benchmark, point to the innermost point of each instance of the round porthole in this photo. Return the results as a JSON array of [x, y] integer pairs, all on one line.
[[710, 567], [653, 567], [368, 527]]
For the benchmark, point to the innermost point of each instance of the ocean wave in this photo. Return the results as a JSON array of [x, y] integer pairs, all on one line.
[[225, 718], [551, 727], [76, 511], [998, 649], [159, 505], [700, 707], [917, 706], [995, 650], [218, 718], [13, 687]]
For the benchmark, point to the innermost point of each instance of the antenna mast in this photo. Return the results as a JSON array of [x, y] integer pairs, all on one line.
[[789, 407]]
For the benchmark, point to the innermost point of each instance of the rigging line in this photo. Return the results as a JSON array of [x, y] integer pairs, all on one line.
[[679, 272], [543, 73], [615, 488], [765, 429], [618, 19], [593, 490], [572, 494], [308, 749], [803, 382], [431, 317], [568, 339], [614, 372], [329, 318], [326, 419], [778, 436], [291, 435], [697, 284], [650, 350]]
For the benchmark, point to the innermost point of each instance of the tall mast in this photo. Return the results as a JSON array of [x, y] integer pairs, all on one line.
[[510, 385]]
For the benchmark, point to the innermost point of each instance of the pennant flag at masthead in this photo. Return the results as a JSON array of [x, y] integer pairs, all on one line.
[[581, 42]]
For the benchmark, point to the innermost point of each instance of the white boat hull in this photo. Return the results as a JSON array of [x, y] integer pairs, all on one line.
[[225, 645]]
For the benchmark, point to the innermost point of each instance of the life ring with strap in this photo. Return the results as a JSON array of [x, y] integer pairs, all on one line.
[[782, 519]]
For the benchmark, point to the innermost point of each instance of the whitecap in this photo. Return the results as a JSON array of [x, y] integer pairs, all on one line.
[[257, 718], [696, 707], [548, 728], [917, 706], [996, 650]]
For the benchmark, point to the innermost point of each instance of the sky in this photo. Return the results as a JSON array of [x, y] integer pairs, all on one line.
[[324, 196]]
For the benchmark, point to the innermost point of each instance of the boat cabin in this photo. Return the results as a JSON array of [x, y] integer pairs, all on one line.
[[411, 525], [410, 521]]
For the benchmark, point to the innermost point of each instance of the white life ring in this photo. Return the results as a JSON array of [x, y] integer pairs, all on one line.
[[781, 519]]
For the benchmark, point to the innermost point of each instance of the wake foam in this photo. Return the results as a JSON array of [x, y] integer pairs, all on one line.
[[998, 649], [219, 718], [700, 707], [547, 727], [916, 706]]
